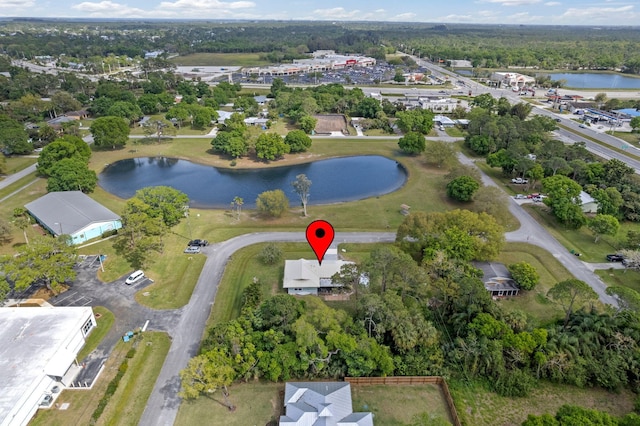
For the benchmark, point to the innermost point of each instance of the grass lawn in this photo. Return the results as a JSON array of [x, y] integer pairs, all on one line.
[[478, 407], [256, 403], [105, 320], [632, 138], [242, 269], [455, 132], [220, 59], [17, 163], [143, 370], [128, 403], [393, 405], [535, 303], [620, 277]]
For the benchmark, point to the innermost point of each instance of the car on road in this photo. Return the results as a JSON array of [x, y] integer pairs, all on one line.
[[192, 250], [582, 126], [198, 243], [519, 180], [520, 197], [615, 257], [558, 120], [135, 277]]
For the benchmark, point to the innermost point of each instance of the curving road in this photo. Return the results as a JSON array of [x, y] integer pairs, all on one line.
[[162, 406], [532, 232]]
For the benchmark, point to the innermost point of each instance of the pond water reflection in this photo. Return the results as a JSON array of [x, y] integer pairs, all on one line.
[[334, 180]]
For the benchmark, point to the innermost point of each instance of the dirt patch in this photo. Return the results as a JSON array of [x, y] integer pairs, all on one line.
[[330, 123]]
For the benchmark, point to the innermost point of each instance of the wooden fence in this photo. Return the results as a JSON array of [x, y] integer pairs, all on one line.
[[411, 380]]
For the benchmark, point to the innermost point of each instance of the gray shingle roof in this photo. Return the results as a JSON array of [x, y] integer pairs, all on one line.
[[70, 210]]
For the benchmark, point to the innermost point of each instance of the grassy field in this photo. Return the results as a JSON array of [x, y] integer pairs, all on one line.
[[130, 400], [15, 164], [394, 405], [220, 59], [478, 407], [128, 403], [535, 303], [105, 320], [257, 403], [620, 277]]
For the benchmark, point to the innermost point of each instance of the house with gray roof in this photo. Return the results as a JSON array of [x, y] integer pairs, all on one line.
[[73, 213], [321, 404], [497, 279]]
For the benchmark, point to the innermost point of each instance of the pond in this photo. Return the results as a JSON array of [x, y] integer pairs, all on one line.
[[597, 80], [334, 180]]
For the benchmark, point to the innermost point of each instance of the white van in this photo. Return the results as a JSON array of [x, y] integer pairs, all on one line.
[[136, 276]]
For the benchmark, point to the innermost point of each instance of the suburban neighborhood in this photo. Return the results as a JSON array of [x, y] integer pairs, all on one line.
[[157, 194]]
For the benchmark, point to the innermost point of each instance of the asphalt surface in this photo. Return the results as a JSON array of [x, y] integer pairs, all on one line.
[[162, 406], [8, 180], [532, 232]]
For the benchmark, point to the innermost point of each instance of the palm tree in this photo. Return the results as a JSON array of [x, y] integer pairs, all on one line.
[[237, 205]]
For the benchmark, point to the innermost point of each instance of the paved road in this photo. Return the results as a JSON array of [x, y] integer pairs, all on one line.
[[162, 406], [8, 180], [532, 232]]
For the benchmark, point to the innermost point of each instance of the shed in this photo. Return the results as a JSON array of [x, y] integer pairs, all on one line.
[[73, 213]]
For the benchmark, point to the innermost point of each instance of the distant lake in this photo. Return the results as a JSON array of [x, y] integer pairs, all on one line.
[[334, 180], [464, 72], [590, 80]]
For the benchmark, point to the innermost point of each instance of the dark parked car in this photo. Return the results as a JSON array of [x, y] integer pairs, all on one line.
[[615, 257], [199, 243]]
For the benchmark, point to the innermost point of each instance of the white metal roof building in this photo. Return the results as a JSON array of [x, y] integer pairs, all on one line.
[[38, 348], [321, 404], [73, 213], [307, 276]]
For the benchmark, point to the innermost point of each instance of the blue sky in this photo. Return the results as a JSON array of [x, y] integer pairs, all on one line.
[[572, 12]]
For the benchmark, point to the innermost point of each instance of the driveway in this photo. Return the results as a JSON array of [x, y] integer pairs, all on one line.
[[162, 406], [532, 232]]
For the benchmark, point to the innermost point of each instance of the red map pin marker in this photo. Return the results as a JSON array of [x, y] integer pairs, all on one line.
[[320, 235]]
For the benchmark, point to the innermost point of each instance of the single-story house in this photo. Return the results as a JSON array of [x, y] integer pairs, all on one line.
[[38, 358], [321, 403], [255, 121], [497, 279], [261, 99], [73, 213], [223, 115], [303, 277], [77, 115], [444, 121], [588, 204]]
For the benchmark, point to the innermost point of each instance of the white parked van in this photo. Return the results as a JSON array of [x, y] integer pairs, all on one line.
[[136, 276]]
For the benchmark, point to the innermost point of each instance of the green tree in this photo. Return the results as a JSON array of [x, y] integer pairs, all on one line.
[[298, 141], [159, 128], [71, 174], [207, 373], [484, 101], [302, 187], [64, 102], [441, 153], [237, 206], [180, 113], [164, 202], [563, 197], [603, 224], [416, 120], [412, 143], [230, 144], [128, 110], [535, 174], [272, 203], [13, 137], [110, 132], [141, 233], [525, 275], [368, 108], [271, 146], [462, 188], [271, 254], [47, 260], [5, 233], [570, 293], [307, 123], [59, 150], [635, 123], [627, 298]]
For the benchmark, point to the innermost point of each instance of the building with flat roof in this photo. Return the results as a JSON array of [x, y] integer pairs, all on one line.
[[512, 79], [73, 213], [38, 357]]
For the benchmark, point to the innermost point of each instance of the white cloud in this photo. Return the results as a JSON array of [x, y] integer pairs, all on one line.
[[598, 13], [404, 17], [206, 5], [553, 3], [108, 8], [336, 13], [10, 7], [512, 2]]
